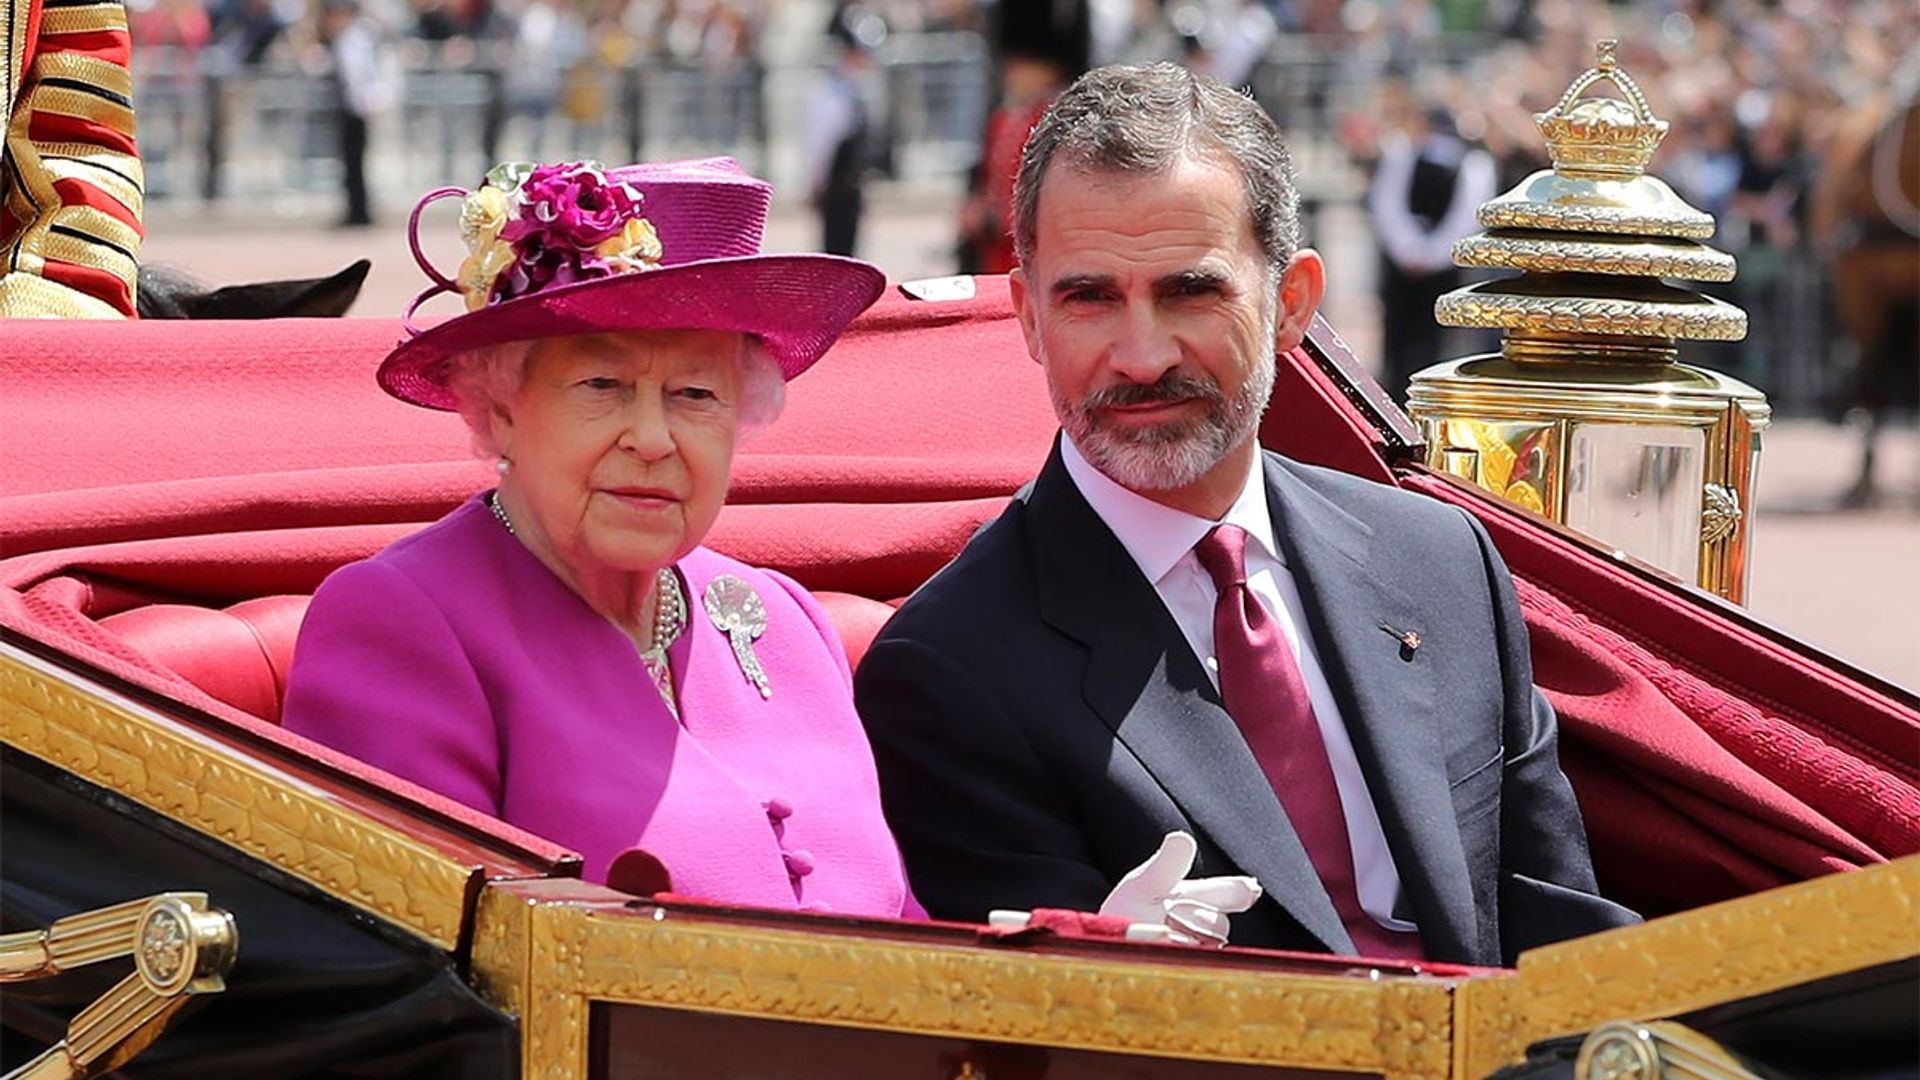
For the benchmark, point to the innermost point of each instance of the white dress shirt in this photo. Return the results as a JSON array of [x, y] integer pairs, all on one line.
[[832, 114], [1161, 540], [1412, 244]]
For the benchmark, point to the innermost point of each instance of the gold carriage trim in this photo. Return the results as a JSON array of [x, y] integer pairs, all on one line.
[[128, 749], [1489, 1024], [1706, 320], [1615, 257], [1736, 949], [1681, 222], [544, 955]]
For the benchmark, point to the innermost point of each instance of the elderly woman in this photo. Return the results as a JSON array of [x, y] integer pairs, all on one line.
[[561, 652]]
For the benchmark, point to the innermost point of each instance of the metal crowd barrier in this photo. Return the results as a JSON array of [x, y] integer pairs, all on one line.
[[270, 133]]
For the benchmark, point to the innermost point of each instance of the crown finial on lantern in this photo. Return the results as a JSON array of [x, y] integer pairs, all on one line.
[[1602, 136]]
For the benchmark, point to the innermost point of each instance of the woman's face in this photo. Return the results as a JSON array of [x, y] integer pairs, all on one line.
[[620, 445]]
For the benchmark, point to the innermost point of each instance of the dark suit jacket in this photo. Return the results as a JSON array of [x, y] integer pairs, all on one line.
[[1040, 723]]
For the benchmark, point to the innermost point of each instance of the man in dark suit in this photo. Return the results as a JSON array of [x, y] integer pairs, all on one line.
[[1325, 681]]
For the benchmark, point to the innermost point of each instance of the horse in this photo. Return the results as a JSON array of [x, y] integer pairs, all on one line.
[[1867, 208], [167, 293]]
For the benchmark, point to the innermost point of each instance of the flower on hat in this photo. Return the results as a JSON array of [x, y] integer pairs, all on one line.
[[533, 227], [577, 203], [482, 214], [637, 247]]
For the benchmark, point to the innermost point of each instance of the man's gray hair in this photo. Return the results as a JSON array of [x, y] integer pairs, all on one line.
[[1147, 118], [484, 378]]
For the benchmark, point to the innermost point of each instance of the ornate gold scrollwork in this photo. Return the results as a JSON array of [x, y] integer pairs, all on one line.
[[180, 947], [1662, 1050], [1484, 306], [1720, 515]]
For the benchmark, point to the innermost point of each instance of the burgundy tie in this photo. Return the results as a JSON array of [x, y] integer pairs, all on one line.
[[1267, 697]]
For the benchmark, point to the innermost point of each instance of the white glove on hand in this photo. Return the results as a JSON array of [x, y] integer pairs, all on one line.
[[1157, 891]]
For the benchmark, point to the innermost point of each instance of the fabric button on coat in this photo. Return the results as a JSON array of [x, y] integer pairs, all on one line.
[[778, 809], [799, 862]]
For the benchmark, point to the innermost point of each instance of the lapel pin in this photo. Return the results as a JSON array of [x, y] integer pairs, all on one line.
[[1409, 640]]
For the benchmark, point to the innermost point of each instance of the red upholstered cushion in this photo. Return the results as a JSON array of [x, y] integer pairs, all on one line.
[[858, 619], [239, 655], [275, 620], [214, 650]]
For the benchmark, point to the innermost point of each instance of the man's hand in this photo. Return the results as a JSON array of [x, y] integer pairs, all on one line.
[[1157, 891]]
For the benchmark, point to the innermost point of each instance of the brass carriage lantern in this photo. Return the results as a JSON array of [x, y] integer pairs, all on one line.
[[1586, 415]]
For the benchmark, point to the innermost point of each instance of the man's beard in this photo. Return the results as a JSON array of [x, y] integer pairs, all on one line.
[[1174, 454]]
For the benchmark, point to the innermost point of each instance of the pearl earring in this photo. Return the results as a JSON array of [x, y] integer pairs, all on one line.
[[503, 466]]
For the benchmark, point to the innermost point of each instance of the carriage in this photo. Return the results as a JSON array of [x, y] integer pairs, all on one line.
[[175, 491]]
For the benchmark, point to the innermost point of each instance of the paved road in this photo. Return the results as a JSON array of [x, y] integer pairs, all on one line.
[[1845, 581]]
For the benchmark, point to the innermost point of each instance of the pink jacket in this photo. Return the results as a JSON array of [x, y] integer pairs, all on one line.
[[454, 658]]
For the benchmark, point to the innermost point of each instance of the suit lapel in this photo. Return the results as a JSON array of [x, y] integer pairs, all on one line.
[[1146, 684], [1386, 697]]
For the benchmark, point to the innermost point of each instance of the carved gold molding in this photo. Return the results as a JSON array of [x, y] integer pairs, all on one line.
[[1712, 320], [1489, 1024], [1678, 223], [572, 954], [1620, 258], [500, 949], [138, 753], [1755, 945]]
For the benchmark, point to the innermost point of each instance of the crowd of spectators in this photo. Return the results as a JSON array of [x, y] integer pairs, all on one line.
[[1756, 93], [1754, 90]]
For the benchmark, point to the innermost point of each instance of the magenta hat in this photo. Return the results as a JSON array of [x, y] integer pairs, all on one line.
[[563, 249]]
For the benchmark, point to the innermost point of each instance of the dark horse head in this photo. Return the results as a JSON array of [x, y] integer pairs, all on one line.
[[166, 293]]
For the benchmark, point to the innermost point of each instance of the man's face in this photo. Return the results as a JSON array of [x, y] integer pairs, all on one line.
[[1150, 303]]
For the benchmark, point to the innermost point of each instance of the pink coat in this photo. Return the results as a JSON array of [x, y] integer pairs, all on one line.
[[454, 658]]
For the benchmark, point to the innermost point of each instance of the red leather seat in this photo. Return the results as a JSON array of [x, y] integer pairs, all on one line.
[[241, 654], [857, 618]]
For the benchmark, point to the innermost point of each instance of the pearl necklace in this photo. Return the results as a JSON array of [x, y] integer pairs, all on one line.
[[669, 617]]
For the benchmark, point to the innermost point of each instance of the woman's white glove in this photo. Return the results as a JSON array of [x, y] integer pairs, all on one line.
[[1157, 891]]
